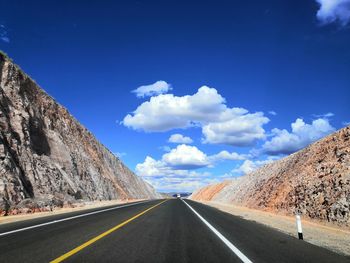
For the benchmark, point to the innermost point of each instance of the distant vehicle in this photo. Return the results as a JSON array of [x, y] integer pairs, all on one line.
[[178, 195]]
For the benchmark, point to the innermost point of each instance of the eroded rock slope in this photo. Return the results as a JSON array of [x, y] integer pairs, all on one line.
[[47, 158], [314, 181]]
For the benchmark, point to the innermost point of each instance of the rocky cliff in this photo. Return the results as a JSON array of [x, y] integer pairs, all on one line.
[[314, 181], [47, 158]]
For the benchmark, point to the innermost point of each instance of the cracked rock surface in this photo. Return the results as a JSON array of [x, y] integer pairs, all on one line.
[[314, 182], [47, 158]]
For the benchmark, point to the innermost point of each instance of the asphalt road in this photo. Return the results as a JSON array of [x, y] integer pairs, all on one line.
[[154, 231]]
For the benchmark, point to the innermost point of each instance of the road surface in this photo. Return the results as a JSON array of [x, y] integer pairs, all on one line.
[[172, 230]]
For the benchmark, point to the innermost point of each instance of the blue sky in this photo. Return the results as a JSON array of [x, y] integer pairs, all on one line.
[[189, 92]]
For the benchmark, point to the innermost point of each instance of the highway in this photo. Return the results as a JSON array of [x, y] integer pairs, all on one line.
[[173, 230]]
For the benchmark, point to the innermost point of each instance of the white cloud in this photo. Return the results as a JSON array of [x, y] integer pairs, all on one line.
[[158, 168], [185, 157], [4, 34], [151, 167], [166, 112], [249, 166], [175, 169], [302, 134], [206, 109], [159, 87], [181, 184], [326, 115], [238, 130], [246, 167], [166, 178], [271, 112], [177, 161], [346, 123], [179, 138], [5, 39], [334, 11], [225, 155]]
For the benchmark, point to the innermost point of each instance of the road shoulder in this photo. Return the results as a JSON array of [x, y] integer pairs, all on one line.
[[58, 211], [333, 239]]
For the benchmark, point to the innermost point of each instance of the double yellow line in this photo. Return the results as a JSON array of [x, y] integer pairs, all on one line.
[[93, 240]]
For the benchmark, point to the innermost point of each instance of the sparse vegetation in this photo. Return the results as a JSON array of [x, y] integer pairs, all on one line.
[[2, 53]]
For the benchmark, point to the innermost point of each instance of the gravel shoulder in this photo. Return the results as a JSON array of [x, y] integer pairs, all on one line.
[[332, 238], [57, 211]]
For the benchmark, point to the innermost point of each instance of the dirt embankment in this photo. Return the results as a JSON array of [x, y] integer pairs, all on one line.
[[82, 206], [314, 182]]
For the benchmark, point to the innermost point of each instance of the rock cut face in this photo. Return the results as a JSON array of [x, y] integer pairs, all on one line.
[[47, 158], [314, 182]]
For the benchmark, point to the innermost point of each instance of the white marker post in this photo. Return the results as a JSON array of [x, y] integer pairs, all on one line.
[[300, 230]]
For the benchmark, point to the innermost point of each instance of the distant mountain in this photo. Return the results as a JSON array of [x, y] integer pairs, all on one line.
[[314, 181], [47, 158]]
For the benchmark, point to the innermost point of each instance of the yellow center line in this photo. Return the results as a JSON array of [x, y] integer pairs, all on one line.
[[93, 240]]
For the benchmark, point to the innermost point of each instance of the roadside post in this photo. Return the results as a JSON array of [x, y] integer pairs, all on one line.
[[299, 228]]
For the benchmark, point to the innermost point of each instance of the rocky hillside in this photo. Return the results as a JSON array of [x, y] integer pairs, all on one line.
[[47, 158], [314, 181]]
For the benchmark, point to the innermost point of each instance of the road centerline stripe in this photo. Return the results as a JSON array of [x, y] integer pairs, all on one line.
[[93, 240], [222, 238], [70, 218]]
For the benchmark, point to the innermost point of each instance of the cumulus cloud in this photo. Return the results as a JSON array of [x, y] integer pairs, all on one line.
[[4, 34], [181, 184], [151, 167], [159, 87], [205, 109], [249, 166], [166, 112], [331, 11], [225, 155], [302, 134], [158, 169], [179, 138], [185, 157], [239, 130], [167, 178], [176, 161], [175, 170]]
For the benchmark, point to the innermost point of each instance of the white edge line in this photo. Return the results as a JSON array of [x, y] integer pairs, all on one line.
[[69, 218], [223, 239]]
